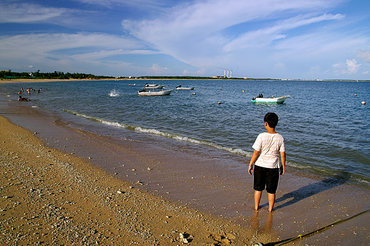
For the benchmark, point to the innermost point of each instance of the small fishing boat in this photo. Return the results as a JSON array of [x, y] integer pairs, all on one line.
[[153, 86], [154, 93], [279, 100], [179, 87]]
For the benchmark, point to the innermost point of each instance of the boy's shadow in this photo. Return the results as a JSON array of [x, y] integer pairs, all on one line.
[[311, 189]]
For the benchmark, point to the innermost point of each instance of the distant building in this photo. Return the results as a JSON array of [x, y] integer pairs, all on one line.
[[228, 73]]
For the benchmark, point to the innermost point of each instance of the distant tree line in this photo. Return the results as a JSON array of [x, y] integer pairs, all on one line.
[[55, 75]]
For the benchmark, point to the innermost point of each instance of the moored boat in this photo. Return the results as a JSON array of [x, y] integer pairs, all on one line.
[[179, 87], [153, 86], [279, 100], [154, 93]]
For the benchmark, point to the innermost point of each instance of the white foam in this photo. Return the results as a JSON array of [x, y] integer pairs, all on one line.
[[113, 93], [110, 123], [163, 134]]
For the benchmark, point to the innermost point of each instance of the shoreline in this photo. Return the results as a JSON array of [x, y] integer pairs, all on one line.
[[301, 201]]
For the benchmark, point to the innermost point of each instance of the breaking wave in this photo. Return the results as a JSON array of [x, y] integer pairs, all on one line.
[[160, 133], [113, 93]]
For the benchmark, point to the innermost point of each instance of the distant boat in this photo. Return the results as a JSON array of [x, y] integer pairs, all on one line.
[[131, 84], [154, 93], [153, 86], [179, 87], [279, 100]]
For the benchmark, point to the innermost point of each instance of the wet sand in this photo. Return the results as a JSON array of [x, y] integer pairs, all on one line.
[[214, 183]]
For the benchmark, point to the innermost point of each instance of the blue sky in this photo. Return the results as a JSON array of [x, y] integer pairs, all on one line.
[[306, 39]]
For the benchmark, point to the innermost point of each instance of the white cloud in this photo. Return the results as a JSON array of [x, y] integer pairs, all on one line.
[[336, 66], [135, 3], [66, 52], [265, 36], [364, 55], [352, 66], [44, 43], [158, 70], [321, 45], [25, 13]]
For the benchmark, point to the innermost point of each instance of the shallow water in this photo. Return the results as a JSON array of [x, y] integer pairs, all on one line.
[[325, 126]]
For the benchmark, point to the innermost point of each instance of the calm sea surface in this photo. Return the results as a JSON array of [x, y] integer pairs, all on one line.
[[325, 126]]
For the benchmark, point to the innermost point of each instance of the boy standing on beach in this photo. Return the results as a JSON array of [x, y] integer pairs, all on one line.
[[265, 160]]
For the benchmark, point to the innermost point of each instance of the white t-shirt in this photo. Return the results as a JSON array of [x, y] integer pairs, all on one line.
[[269, 145]]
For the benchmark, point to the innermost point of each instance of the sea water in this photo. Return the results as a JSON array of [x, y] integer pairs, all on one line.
[[325, 125]]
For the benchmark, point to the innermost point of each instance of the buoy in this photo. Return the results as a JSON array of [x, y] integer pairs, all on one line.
[[218, 102], [355, 95], [194, 93], [363, 102], [243, 91]]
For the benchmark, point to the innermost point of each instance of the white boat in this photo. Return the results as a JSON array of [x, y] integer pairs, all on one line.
[[153, 86], [179, 87], [154, 93], [279, 100]]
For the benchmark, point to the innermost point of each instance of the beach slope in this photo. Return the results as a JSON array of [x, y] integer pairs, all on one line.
[[49, 197]]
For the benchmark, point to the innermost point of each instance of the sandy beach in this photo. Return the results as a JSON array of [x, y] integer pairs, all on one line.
[[62, 185], [49, 197]]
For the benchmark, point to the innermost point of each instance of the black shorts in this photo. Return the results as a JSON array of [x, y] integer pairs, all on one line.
[[266, 177]]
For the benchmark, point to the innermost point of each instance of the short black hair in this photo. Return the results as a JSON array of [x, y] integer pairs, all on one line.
[[271, 119]]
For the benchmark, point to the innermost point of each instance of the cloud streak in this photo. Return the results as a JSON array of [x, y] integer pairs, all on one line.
[[28, 13], [51, 49], [267, 35]]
